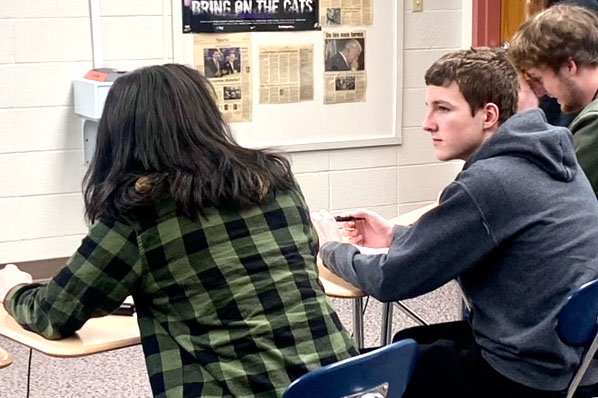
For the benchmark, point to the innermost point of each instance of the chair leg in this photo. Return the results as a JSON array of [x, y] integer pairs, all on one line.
[[585, 363], [463, 312], [412, 314], [464, 307], [386, 324], [358, 322]]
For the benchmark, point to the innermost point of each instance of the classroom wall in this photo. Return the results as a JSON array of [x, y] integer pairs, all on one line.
[[44, 45], [394, 179]]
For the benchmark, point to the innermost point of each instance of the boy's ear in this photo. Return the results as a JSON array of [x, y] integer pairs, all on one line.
[[570, 66], [492, 115]]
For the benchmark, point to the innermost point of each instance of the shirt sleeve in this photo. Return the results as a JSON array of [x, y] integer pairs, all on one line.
[[444, 243], [104, 270], [586, 142]]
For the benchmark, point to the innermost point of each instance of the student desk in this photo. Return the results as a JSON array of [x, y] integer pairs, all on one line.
[[386, 324], [97, 335], [412, 216], [114, 331], [5, 358], [335, 286]]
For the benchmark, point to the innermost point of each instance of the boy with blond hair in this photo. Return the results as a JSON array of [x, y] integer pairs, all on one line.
[[558, 50]]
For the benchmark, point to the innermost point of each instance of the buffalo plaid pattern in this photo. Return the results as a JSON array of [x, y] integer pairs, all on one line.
[[228, 305]]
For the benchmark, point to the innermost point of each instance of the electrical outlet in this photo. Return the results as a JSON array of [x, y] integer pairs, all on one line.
[[417, 6]]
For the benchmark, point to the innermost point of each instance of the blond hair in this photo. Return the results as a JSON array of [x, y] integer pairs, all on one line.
[[555, 35]]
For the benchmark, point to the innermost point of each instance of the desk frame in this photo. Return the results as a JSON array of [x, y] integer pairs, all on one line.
[[335, 286], [97, 335], [5, 358]]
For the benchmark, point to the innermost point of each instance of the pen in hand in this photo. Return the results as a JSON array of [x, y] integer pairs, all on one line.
[[348, 218]]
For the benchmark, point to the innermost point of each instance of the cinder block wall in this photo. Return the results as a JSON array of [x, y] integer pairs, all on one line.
[[394, 179], [44, 45]]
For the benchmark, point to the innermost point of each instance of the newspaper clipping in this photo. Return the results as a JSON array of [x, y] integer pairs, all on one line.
[[346, 12], [344, 68], [225, 59], [286, 74]]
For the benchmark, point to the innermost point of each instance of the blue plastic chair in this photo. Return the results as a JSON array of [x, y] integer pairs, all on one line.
[[578, 326], [384, 372]]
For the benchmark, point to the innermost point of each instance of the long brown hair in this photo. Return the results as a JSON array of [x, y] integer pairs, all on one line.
[[161, 131]]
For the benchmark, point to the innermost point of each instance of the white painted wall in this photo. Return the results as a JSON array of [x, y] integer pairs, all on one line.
[[44, 45]]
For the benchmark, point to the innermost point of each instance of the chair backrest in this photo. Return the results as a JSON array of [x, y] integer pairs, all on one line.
[[384, 372], [577, 326]]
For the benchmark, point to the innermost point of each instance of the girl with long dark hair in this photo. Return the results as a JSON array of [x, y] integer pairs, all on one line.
[[212, 240]]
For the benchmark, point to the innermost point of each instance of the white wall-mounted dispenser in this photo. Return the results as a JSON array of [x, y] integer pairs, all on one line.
[[90, 94]]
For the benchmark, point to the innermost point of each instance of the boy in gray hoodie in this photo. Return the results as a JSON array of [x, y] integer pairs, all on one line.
[[518, 229]]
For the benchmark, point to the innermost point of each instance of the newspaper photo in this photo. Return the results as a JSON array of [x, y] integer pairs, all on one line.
[[346, 12], [286, 74], [222, 16], [344, 67], [226, 61]]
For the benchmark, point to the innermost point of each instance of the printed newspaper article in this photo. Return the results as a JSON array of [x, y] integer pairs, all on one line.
[[225, 59], [346, 12], [344, 67], [286, 74]]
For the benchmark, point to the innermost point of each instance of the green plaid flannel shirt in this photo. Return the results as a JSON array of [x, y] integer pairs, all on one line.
[[228, 305]]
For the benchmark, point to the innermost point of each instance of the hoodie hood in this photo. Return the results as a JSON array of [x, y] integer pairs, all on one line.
[[529, 136]]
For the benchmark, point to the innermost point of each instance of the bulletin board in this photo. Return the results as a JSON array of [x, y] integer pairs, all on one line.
[[313, 125]]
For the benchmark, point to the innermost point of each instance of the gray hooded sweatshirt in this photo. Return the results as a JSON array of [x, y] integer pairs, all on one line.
[[518, 228]]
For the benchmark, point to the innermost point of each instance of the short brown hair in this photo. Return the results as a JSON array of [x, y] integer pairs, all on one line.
[[483, 75], [555, 35]]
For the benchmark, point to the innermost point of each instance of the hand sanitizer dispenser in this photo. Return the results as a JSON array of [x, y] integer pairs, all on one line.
[[90, 93]]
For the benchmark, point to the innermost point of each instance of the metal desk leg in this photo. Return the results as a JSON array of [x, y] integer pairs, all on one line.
[[464, 307], [386, 324], [412, 314], [461, 309], [358, 322]]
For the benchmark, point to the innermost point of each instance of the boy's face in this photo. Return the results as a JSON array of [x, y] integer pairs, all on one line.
[[559, 85], [456, 134]]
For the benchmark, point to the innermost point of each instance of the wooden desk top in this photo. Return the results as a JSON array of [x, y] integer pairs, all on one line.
[[97, 335], [335, 286], [412, 216], [5, 358]]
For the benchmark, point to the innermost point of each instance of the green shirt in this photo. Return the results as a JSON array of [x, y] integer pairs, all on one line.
[[585, 133], [229, 305]]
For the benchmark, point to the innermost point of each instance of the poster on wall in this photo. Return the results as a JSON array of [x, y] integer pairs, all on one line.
[[226, 61], [222, 16]]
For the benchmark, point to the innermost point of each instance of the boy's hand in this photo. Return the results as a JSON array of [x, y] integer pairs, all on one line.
[[373, 231]]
